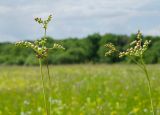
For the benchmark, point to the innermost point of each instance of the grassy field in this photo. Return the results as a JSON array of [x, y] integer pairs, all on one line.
[[80, 90]]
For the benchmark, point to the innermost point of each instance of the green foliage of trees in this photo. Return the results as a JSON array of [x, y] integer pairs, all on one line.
[[82, 50]]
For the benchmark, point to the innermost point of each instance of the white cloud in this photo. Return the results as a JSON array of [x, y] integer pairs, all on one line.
[[153, 31], [4, 9], [76, 18]]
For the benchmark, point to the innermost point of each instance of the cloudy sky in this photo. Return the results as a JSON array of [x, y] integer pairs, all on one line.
[[78, 18]]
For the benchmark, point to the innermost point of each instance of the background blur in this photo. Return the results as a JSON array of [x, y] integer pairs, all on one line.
[[83, 80], [83, 27]]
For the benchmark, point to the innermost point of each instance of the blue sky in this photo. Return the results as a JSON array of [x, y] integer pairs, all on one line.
[[78, 18]]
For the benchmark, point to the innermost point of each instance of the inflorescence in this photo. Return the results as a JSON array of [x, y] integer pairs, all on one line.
[[44, 23], [39, 46], [111, 48], [137, 49]]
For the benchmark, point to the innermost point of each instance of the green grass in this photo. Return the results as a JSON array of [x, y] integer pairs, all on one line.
[[80, 90]]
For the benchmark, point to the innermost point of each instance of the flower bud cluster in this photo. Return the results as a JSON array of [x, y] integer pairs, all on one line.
[[41, 51], [41, 42], [139, 35], [39, 46], [111, 49], [44, 22], [58, 46], [138, 49]]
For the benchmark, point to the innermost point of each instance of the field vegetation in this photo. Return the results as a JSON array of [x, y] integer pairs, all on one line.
[[80, 90]]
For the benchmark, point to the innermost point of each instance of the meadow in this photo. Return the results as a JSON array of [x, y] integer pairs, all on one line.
[[80, 90]]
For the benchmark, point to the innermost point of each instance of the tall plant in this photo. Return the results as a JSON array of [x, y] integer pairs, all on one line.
[[41, 52], [136, 53]]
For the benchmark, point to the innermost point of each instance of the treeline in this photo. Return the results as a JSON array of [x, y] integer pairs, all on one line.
[[85, 50]]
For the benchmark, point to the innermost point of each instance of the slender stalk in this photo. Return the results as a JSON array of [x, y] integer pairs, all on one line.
[[50, 85], [45, 31], [49, 77], [44, 92], [143, 67], [149, 84], [136, 62], [140, 66]]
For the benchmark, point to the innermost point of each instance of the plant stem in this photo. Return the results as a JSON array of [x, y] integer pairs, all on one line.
[[49, 77], [140, 66], [136, 62], [149, 84], [50, 85], [45, 31], [44, 92]]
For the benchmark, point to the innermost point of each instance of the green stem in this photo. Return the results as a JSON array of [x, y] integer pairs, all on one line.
[[49, 77], [44, 92], [50, 85], [139, 65], [149, 84], [45, 31]]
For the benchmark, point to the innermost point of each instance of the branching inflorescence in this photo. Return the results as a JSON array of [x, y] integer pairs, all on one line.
[[42, 52], [39, 46], [136, 49]]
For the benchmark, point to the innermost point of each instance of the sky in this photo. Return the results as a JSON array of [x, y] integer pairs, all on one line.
[[77, 18]]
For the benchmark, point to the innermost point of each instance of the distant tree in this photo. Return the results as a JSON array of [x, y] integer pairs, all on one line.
[[82, 50], [94, 46]]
